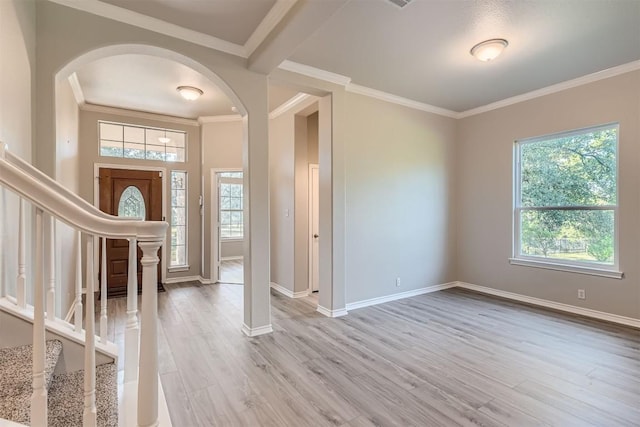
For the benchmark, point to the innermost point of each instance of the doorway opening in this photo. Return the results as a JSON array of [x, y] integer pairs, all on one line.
[[228, 226]]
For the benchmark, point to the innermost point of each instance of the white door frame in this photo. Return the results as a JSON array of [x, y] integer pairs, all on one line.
[[310, 191], [96, 203], [214, 220]]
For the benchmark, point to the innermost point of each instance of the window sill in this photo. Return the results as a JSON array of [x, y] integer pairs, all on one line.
[[231, 239], [179, 268], [592, 271]]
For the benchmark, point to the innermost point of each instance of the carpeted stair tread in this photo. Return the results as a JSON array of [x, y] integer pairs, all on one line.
[[66, 398], [16, 379]]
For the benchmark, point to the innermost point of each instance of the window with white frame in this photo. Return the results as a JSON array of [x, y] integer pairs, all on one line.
[[231, 205], [178, 219], [139, 142], [566, 203]]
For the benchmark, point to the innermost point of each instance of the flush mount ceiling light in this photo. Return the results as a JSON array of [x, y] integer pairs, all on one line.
[[189, 93], [164, 139], [489, 49]]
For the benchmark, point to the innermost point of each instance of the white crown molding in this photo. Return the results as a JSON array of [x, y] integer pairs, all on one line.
[[400, 295], [589, 78], [219, 119], [332, 313], [300, 100], [138, 114], [254, 332], [273, 18], [315, 73], [587, 312], [395, 99], [126, 16], [77, 89]]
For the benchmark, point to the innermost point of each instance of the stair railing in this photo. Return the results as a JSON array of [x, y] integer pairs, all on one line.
[[53, 202]]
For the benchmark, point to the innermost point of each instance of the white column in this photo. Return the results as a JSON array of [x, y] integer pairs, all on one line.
[[39, 396], [21, 287], [103, 292], [89, 413], [148, 377], [51, 259], [77, 317], [131, 329]]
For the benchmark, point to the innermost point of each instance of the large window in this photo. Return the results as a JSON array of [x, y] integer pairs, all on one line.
[[566, 203], [178, 219], [231, 205], [137, 142]]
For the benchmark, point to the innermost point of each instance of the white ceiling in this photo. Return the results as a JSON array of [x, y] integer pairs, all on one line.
[[420, 52], [230, 20]]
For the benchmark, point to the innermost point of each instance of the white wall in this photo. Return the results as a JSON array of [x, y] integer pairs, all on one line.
[[485, 157], [17, 67], [400, 168], [67, 174], [221, 149]]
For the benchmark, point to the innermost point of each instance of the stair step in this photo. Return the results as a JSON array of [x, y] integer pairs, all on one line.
[[16, 379], [66, 398]]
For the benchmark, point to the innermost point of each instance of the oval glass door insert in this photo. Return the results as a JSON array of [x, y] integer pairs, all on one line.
[[132, 204]]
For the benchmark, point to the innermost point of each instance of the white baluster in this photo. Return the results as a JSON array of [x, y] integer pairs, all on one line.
[[103, 292], [148, 377], [51, 257], [77, 317], [39, 396], [21, 287], [89, 414], [131, 330]]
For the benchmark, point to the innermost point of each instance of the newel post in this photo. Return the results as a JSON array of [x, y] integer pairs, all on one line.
[[148, 370]]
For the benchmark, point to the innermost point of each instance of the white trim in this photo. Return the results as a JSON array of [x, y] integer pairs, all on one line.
[[287, 292], [205, 281], [587, 312], [313, 72], [400, 295], [592, 271], [96, 203], [128, 405], [310, 190], [395, 99], [332, 313], [589, 78], [138, 114], [298, 99], [76, 88], [254, 332], [219, 119], [72, 309], [272, 18], [231, 258], [171, 280], [130, 17], [179, 268]]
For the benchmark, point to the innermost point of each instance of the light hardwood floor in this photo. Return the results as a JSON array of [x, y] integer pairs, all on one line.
[[232, 271], [444, 359]]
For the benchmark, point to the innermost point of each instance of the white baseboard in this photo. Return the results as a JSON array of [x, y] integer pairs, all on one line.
[[231, 258], [287, 292], [254, 332], [332, 313], [400, 295], [170, 280], [206, 281], [587, 312]]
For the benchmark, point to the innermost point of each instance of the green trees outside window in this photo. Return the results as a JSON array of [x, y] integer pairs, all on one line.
[[566, 196]]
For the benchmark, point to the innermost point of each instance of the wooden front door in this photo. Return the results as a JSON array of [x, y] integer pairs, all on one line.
[[130, 193]]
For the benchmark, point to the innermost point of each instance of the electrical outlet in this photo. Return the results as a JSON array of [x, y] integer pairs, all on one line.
[[582, 294], [397, 281]]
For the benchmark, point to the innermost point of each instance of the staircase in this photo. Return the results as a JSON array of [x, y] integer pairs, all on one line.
[[65, 390], [73, 381]]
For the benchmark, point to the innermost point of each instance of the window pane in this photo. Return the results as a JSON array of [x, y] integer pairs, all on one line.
[[134, 134], [177, 139], [111, 151], [578, 170], [142, 143], [133, 151], [582, 235], [178, 255], [111, 131], [236, 203], [131, 203], [178, 197], [236, 190], [225, 203]]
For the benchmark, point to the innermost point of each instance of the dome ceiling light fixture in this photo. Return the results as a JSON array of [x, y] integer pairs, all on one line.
[[489, 49], [189, 93]]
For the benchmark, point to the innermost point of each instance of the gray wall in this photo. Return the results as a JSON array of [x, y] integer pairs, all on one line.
[[231, 249], [89, 152], [484, 215], [399, 199]]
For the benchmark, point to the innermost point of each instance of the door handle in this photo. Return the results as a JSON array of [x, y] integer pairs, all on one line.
[[315, 236]]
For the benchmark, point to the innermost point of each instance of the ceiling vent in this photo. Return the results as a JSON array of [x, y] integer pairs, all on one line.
[[400, 3]]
